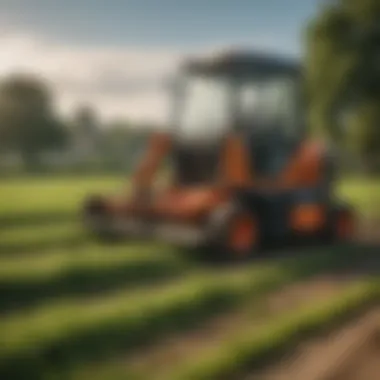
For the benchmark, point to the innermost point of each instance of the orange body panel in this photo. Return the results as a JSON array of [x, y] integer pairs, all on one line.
[[308, 218], [235, 165], [243, 234], [305, 169], [188, 204], [159, 146], [179, 204]]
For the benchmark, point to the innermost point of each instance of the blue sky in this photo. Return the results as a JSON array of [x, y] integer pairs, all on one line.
[[162, 22], [39, 34]]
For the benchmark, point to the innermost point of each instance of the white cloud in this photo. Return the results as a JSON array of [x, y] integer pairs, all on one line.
[[120, 82]]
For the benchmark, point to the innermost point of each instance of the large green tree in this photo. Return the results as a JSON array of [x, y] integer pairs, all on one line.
[[28, 124], [343, 73]]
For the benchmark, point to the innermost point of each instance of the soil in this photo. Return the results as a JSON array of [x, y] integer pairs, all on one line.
[[368, 232], [351, 353]]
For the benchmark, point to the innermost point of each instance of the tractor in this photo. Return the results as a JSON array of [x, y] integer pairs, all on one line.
[[244, 171]]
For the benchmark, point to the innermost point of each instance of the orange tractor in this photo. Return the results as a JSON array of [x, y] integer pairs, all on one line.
[[243, 170]]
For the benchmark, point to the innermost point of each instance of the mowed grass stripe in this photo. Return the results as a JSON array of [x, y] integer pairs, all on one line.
[[48, 194], [42, 237], [28, 280], [258, 347], [27, 200], [36, 218], [48, 265], [67, 332]]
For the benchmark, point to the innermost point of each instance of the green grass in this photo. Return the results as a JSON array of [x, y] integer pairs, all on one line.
[[29, 280], [29, 239], [25, 200], [64, 333], [363, 194]]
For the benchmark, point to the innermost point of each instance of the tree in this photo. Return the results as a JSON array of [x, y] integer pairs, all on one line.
[[343, 72], [27, 122]]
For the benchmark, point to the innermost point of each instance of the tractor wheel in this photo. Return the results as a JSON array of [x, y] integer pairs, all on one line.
[[342, 226], [234, 234]]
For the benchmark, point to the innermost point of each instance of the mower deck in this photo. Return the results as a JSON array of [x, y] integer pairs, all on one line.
[[138, 229]]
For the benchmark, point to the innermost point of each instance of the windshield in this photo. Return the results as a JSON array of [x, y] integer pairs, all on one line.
[[261, 104], [205, 108], [268, 104]]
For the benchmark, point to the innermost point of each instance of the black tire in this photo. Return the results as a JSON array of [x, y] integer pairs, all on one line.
[[331, 235], [219, 225]]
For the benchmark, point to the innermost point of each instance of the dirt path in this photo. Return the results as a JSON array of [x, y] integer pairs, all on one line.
[[351, 353], [176, 348], [368, 231]]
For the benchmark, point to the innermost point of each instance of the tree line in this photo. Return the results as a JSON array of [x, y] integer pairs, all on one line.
[[32, 131]]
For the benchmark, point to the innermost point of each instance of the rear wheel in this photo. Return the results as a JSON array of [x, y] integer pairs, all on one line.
[[342, 226], [234, 234], [345, 226], [241, 239]]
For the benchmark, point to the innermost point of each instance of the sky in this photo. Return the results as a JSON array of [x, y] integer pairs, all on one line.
[[114, 54]]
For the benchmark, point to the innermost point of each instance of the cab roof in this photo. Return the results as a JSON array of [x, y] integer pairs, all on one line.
[[243, 63]]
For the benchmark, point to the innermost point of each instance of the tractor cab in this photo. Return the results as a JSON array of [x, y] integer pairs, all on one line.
[[253, 95]]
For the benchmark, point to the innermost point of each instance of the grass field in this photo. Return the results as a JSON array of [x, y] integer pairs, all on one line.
[[73, 308], [363, 194]]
